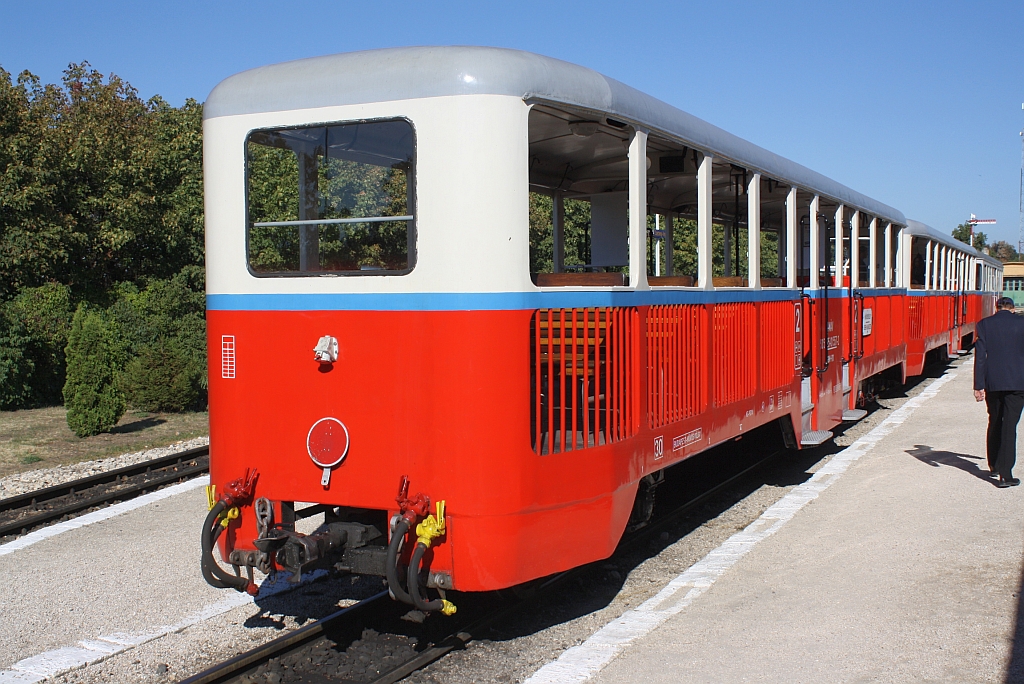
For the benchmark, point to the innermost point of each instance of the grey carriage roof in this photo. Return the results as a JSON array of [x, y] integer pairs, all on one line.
[[418, 72], [923, 230]]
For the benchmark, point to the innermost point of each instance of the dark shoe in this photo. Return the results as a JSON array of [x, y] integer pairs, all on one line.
[[1004, 483]]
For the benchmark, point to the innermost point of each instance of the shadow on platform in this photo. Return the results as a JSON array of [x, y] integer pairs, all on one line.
[[964, 462], [1015, 668]]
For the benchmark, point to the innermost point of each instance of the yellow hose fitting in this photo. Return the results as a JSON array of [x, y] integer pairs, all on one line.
[[211, 497], [229, 515], [431, 528], [448, 608]]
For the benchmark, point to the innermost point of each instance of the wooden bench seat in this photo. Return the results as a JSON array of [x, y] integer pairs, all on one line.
[[579, 279], [670, 281]]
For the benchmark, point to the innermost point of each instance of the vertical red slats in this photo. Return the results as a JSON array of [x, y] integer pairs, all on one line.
[[607, 385], [590, 350], [633, 365], [587, 373], [575, 380], [623, 374], [549, 316], [915, 318], [613, 334], [733, 339], [776, 339], [561, 383], [537, 384], [676, 374]]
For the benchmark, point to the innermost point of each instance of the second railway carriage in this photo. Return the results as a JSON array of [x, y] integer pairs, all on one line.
[[950, 287], [473, 301]]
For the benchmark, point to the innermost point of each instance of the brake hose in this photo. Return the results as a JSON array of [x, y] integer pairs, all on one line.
[[414, 585], [212, 572], [391, 564]]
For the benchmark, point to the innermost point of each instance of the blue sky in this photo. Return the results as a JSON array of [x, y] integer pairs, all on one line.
[[915, 104]]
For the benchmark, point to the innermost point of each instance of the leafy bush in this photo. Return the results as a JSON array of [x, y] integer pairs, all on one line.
[[94, 403], [159, 379], [44, 315], [16, 365], [161, 340]]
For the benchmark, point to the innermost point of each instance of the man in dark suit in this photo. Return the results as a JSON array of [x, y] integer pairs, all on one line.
[[999, 382]]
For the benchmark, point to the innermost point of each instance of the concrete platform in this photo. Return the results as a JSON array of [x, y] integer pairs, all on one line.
[[905, 567], [78, 592]]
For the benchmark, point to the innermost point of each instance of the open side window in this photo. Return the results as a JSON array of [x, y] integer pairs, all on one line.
[[579, 184]]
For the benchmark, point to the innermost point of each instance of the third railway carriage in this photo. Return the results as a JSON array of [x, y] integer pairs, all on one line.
[[471, 302]]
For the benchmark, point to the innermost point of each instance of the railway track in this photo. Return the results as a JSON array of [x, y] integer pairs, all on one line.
[[365, 642], [22, 513], [341, 646]]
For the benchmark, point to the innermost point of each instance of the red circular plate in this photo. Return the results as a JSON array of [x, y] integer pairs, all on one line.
[[327, 442]]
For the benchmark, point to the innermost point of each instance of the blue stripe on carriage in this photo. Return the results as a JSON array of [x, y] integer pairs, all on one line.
[[481, 301], [507, 301]]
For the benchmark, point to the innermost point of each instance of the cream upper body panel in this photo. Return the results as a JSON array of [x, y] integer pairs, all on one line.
[[471, 199]]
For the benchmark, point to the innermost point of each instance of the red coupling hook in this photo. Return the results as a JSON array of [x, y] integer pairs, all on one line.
[[411, 509], [239, 492]]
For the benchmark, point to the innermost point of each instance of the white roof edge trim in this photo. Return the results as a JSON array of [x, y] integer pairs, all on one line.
[[393, 74], [757, 160], [918, 229]]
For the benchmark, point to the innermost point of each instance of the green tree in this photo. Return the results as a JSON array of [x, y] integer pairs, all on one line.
[[1004, 251], [93, 401], [96, 186], [963, 233]]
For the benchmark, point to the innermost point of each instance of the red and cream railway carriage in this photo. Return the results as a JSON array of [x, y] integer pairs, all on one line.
[[510, 284], [950, 288]]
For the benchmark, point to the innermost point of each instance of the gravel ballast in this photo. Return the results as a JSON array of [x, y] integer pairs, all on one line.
[[29, 481]]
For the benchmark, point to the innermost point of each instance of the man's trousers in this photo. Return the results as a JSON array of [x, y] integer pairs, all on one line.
[[1004, 409]]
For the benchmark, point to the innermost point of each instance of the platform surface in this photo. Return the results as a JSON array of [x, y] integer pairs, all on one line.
[[907, 569]]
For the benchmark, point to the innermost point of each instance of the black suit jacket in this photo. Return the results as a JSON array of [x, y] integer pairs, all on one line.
[[999, 353]]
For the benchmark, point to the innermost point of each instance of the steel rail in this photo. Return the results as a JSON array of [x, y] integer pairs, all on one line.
[[465, 635], [283, 644], [111, 477], [460, 637]]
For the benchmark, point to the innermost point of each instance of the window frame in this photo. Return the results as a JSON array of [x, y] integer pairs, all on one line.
[[413, 234]]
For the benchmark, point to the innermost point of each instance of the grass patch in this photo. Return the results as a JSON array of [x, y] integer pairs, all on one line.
[[30, 436]]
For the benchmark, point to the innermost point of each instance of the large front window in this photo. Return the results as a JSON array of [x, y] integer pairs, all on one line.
[[331, 199]]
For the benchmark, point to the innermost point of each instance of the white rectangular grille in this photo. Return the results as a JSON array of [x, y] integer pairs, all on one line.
[[227, 356]]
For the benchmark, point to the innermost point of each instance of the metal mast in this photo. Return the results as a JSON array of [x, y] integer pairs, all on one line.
[[1020, 201]]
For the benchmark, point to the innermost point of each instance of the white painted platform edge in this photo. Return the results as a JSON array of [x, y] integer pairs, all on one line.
[[582, 662], [101, 515], [90, 651]]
